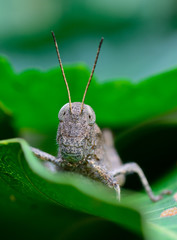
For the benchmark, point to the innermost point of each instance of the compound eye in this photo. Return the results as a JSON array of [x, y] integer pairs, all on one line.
[[91, 120], [91, 116], [61, 116], [63, 112]]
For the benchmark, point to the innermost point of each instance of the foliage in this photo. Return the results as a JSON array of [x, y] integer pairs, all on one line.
[[144, 128]]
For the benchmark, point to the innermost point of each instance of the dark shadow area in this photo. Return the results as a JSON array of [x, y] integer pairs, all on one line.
[[153, 148], [40, 224]]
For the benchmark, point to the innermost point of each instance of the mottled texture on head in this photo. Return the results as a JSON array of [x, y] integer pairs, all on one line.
[[75, 132]]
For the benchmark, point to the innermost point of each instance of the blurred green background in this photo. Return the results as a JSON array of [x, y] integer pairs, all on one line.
[[140, 41], [140, 35]]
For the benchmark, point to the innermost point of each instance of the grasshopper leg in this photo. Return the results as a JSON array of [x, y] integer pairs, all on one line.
[[99, 173], [134, 168], [112, 160], [43, 155], [50, 161]]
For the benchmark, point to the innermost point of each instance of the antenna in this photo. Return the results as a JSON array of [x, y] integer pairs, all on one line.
[[91, 75], [61, 66]]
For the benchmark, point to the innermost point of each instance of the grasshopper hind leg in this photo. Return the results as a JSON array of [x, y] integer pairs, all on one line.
[[134, 168], [119, 171], [112, 160]]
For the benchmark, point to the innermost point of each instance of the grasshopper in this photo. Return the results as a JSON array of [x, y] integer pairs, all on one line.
[[85, 149]]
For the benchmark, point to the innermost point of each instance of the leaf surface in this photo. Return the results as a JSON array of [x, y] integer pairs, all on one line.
[[26, 182], [35, 97]]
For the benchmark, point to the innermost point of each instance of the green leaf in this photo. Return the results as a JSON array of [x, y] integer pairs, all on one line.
[[25, 181], [161, 227], [35, 97], [28, 188]]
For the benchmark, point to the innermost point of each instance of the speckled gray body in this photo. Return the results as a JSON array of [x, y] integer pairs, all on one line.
[[81, 143]]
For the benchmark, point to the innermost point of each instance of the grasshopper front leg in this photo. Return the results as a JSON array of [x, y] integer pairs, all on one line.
[[51, 162], [43, 155], [93, 170], [98, 173]]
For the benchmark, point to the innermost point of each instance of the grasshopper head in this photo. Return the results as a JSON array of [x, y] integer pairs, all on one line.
[[75, 131]]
